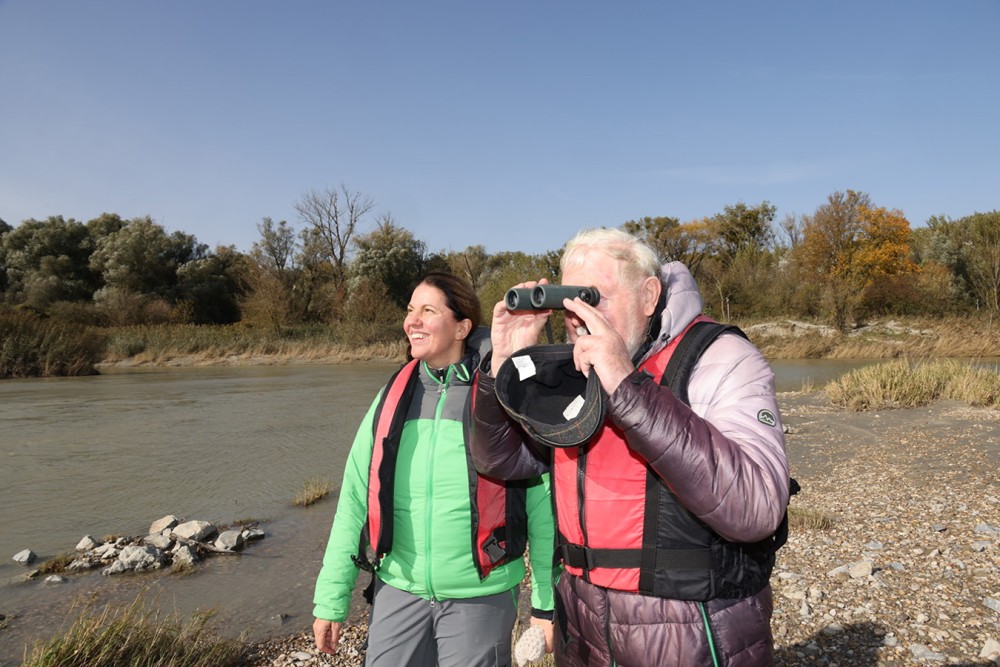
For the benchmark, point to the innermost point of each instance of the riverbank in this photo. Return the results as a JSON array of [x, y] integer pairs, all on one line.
[[907, 572], [972, 337]]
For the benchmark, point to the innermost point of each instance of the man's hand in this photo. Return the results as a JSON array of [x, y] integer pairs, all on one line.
[[327, 634], [513, 330], [602, 349]]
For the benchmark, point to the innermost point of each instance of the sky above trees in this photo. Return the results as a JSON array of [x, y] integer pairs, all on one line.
[[510, 125]]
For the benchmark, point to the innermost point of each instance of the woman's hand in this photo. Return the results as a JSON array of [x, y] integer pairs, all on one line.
[[327, 634]]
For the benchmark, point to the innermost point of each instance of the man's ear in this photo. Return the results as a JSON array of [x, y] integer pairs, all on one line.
[[649, 293]]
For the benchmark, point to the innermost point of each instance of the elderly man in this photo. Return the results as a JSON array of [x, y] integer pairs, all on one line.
[[667, 514]]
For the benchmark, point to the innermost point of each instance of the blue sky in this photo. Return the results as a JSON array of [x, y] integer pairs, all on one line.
[[508, 124]]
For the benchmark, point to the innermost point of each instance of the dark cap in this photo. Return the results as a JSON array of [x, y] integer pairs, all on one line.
[[554, 403]]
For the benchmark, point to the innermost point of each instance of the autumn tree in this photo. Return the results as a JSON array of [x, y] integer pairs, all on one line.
[[847, 245]]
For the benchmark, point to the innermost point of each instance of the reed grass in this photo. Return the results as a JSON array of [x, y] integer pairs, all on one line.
[[313, 490], [902, 384], [32, 345], [135, 636]]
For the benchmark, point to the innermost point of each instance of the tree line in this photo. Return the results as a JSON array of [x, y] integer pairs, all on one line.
[[342, 263]]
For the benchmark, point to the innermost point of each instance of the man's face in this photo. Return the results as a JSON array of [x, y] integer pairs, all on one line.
[[622, 306]]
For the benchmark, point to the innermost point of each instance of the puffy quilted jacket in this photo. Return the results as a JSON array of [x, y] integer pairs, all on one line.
[[723, 464]]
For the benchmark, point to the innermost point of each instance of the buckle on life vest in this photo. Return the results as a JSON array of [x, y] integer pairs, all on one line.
[[363, 563], [575, 555], [495, 552]]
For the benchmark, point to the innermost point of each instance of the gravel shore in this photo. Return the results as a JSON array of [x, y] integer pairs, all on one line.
[[908, 572]]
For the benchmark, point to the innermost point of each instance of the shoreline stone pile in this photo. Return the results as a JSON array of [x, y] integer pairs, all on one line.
[[170, 543]]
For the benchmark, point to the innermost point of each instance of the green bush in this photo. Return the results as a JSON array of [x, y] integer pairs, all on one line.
[[32, 345]]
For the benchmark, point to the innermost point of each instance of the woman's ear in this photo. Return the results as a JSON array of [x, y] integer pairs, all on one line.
[[650, 294], [464, 329]]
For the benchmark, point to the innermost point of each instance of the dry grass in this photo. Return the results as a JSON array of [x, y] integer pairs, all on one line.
[[808, 519], [56, 564], [132, 635], [240, 345], [900, 384], [313, 490]]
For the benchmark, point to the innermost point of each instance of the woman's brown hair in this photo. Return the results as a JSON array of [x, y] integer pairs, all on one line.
[[459, 296]]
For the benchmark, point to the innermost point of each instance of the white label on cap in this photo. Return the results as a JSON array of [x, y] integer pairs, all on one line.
[[525, 367], [573, 409]]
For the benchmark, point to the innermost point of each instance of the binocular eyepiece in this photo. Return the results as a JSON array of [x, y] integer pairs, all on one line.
[[544, 297]]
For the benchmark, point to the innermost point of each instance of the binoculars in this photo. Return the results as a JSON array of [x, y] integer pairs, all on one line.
[[543, 297]]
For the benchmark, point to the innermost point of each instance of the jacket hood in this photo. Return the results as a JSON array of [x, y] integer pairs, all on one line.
[[681, 303], [477, 346]]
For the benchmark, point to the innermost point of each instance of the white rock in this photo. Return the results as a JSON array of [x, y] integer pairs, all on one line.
[[921, 652], [25, 557], [991, 649], [194, 530], [861, 569], [230, 540], [184, 555], [165, 523], [87, 543]]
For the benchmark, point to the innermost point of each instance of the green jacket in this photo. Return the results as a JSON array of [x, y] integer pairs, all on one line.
[[431, 554]]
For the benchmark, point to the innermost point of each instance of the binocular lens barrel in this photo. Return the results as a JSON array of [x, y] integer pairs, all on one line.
[[548, 297], [518, 298], [551, 296]]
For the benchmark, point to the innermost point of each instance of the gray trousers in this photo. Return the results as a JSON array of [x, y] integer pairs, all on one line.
[[408, 631]]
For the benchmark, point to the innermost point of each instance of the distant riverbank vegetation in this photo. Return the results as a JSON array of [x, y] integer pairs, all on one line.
[[851, 280]]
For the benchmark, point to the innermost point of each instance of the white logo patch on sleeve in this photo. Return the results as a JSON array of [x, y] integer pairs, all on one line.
[[767, 417]]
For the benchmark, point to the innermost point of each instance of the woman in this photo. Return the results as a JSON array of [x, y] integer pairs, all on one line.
[[447, 542]]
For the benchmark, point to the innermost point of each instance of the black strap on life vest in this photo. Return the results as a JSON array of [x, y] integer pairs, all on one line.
[[676, 376]]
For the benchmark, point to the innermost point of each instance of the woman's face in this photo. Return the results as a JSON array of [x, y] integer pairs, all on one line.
[[435, 336]]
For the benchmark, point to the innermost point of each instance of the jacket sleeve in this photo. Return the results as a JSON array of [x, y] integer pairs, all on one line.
[[723, 457], [499, 447], [541, 543], [332, 598]]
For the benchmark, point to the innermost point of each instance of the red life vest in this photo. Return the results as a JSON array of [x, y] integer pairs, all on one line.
[[619, 526], [499, 515]]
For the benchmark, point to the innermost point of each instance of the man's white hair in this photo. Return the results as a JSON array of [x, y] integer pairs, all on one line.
[[636, 260]]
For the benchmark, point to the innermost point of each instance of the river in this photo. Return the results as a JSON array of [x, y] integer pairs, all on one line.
[[110, 454]]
